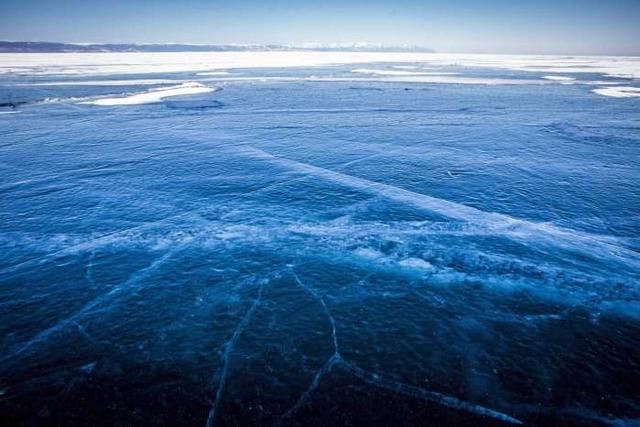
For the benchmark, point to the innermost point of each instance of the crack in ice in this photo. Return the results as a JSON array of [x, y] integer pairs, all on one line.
[[418, 392], [381, 381], [228, 349], [44, 335], [315, 295], [514, 228], [94, 243], [326, 368], [329, 364]]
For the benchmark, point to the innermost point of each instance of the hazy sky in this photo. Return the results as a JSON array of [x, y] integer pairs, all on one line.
[[491, 26]]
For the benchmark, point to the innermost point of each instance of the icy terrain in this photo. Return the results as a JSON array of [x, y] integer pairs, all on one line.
[[319, 238]]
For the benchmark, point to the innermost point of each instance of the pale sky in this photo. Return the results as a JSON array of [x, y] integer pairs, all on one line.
[[491, 26]]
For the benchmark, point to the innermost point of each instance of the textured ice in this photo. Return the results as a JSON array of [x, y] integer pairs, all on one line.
[[417, 243], [561, 79], [132, 82], [214, 73], [154, 62], [445, 78], [154, 95], [619, 91], [400, 72]]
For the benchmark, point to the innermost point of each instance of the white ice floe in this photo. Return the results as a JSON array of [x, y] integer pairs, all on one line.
[[561, 79], [171, 62], [619, 91], [400, 72], [214, 73], [154, 95], [137, 82], [613, 66]]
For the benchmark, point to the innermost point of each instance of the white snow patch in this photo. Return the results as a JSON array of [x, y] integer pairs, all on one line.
[[164, 62], [141, 82], [416, 263], [561, 79], [368, 253], [619, 91], [214, 73], [154, 95]]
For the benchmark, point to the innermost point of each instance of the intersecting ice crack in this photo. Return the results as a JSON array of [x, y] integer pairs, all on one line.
[[228, 349], [131, 282], [93, 243], [334, 360], [418, 392], [314, 294], [511, 227], [326, 368], [379, 380], [329, 364], [83, 331]]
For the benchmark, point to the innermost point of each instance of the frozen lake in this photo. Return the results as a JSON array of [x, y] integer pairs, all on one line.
[[319, 239]]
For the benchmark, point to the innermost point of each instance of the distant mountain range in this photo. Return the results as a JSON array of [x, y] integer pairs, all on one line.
[[52, 47]]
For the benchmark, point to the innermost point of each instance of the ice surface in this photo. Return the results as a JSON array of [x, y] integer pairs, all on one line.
[[435, 240], [393, 78], [228, 349], [454, 79], [561, 79], [400, 72], [154, 95], [619, 91], [214, 73], [132, 82], [129, 63], [498, 223]]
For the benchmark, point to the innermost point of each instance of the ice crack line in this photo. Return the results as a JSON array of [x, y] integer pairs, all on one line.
[[132, 281], [513, 228], [304, 397], [420, 393], [96, 242], [228, 349], [378, 380], [89, 273], [315, 295], [329, 364]]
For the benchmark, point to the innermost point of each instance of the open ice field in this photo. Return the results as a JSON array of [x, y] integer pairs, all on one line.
[[313, 239]]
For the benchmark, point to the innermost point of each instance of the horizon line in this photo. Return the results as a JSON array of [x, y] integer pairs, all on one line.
[[306, 46]]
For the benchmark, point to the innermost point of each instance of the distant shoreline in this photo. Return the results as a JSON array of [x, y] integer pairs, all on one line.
[[53, 47]]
